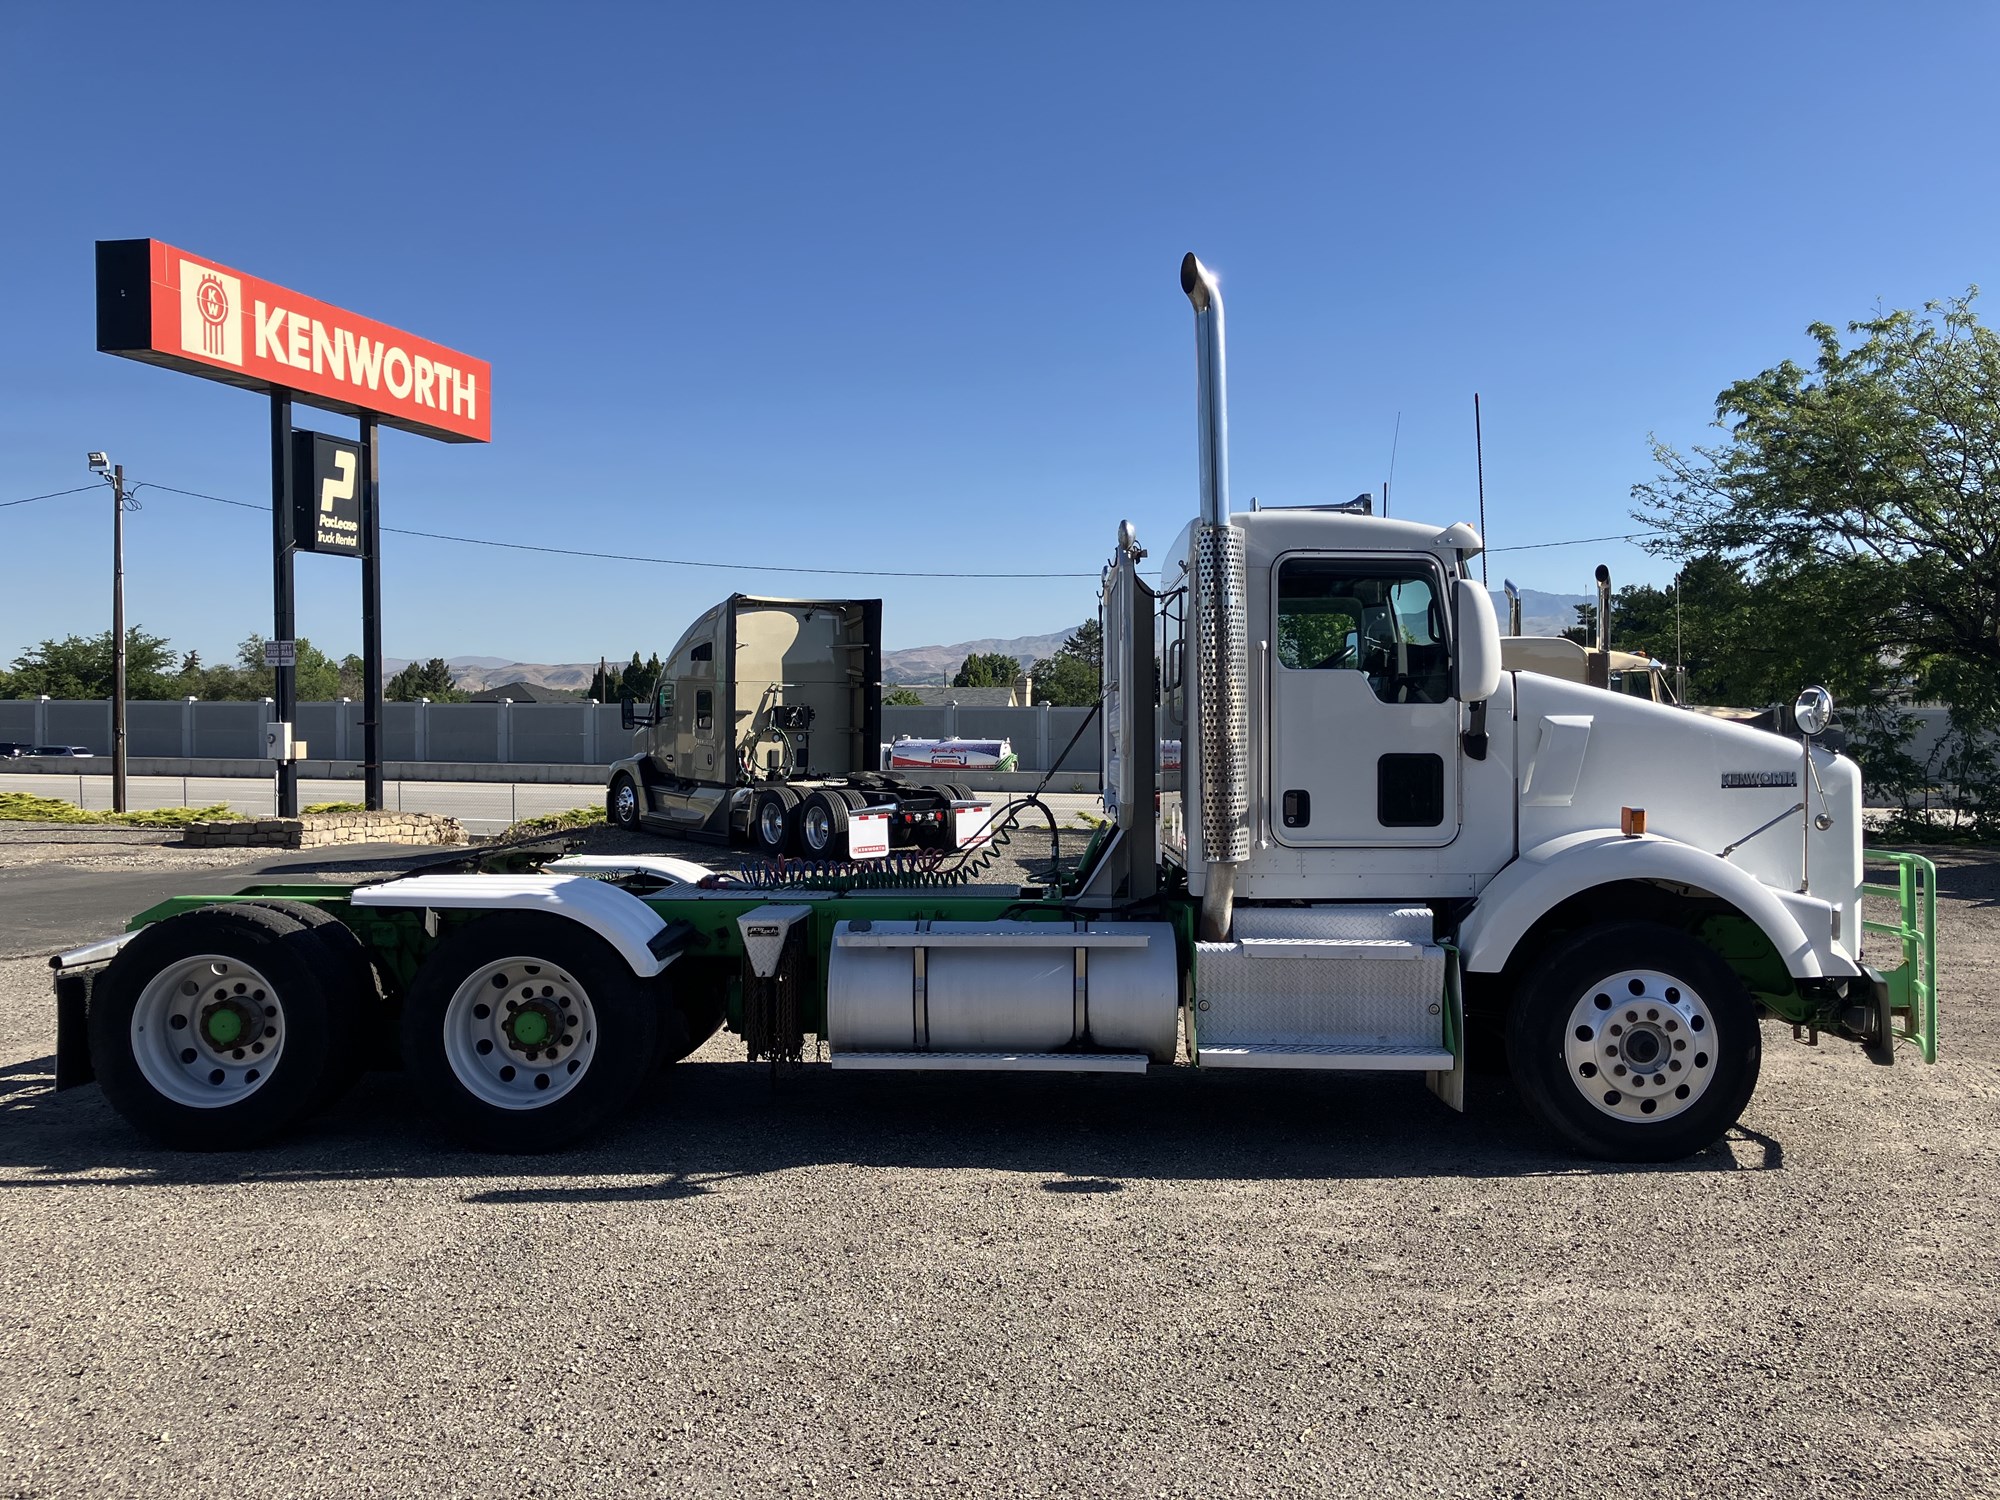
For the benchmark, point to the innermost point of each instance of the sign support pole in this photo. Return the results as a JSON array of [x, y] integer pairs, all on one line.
[[283, 614], [371, 614]]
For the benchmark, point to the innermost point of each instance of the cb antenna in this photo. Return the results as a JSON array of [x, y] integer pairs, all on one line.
[[1479, 457], [1395, 438]]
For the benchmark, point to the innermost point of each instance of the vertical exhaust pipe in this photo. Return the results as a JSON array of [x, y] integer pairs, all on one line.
[[1221, 620], [1513, 606], [1597, 670]]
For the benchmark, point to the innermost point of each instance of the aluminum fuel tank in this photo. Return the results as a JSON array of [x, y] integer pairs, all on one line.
[[1003, 987]]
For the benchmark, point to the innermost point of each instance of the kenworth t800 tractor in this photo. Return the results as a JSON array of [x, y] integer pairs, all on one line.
[[1377, 850]]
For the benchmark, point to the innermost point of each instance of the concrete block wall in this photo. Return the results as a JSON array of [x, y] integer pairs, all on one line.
[[476, 734]]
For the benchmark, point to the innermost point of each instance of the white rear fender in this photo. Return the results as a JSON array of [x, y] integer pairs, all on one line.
[[1801, 928], [619, 917]]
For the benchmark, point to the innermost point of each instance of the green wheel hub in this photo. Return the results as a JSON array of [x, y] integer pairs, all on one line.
[[530, 1026], [226, 1025]]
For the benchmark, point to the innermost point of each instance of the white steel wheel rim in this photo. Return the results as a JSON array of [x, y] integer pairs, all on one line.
[[1641, 1046], [771, 822], [625, 803], [207, 1031], [816, 828], [520, 1033]]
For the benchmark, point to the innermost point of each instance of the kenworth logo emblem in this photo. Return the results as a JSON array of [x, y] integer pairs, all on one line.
[[1731, 780], [209, 324]]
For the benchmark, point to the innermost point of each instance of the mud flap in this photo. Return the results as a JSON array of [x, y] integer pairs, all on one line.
[[73, 1063], [1449, 1083]]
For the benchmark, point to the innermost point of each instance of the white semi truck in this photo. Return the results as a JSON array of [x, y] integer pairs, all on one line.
[[1380, 850]]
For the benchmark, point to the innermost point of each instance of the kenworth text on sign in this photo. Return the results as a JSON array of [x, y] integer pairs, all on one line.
[[169, 307]]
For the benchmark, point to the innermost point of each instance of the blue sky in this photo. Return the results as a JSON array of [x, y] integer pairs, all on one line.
[[894, 287]]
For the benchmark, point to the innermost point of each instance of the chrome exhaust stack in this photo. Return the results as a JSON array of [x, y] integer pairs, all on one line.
[[1221, 624], [1513, 606]]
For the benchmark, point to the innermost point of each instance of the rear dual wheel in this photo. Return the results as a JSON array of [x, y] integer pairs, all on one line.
[[822, 825], [219, 1028], [524, 1031], [771, 821]]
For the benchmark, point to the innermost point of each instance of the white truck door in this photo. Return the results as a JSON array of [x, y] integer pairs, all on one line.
[[1364, 731]]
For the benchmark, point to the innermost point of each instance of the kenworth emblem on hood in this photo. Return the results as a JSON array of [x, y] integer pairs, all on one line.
[[1731, 780]]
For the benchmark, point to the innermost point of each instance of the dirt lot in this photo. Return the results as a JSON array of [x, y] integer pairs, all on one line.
[[1174, 1285]]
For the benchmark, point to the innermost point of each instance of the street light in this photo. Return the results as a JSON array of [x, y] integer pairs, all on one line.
[[99, 463]]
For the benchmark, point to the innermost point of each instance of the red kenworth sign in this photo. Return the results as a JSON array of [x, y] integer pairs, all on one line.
[[168, 307]]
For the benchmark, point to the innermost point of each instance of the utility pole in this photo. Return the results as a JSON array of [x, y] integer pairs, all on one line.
[[118, 638], [115, 477]]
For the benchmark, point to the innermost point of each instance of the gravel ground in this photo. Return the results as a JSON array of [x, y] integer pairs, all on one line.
[[1182, 1284]]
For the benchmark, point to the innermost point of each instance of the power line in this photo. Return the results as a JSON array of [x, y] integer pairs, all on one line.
[[665, 562], [1577, 541], [682, 562], [52, 495]]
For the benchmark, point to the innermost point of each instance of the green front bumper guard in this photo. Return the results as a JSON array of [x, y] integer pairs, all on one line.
[[1912, 985]]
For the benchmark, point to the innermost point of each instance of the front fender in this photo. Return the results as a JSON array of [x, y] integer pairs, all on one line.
[[1799, 927]]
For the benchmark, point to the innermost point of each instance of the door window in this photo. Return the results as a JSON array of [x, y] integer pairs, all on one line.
[[1383, 620], [704, 711]]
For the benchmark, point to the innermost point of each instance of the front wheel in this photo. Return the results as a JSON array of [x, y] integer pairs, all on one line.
[[621, 803], [523, 1031], [1634, 1042]]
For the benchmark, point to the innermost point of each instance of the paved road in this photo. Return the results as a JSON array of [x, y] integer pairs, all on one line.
[[51, 905], [481, 806]]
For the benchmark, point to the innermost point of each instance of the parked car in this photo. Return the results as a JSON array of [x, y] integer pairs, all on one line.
[[67, 752]]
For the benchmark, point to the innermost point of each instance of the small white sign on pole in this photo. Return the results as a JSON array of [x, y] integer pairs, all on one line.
[[281, 653]]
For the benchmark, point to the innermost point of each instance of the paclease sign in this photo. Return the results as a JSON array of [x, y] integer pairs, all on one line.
[[170, 307]]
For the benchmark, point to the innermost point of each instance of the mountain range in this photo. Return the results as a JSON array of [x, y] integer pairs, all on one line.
[[1541, 614]]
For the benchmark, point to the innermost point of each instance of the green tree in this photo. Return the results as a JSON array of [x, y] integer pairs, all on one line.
[[1073, 677], [431, 679], [1584, 631], [902, 698], [986, 669], [1861, 499], [318, 676], [79, 666], [353, 676]]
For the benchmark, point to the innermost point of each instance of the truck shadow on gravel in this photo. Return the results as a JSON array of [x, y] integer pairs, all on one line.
[[713, 1123], [1965, 873]]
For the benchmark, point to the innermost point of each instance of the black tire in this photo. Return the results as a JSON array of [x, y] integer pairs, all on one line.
[[960, 792], [771, 821], [534, 950], [623, 803], [263, 1096], [855, 800], [1634, 1042], [363, 1028], [821, 826]]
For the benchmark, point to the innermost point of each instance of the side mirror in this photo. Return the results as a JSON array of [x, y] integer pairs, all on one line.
[[1478, 642], [631, 716]]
